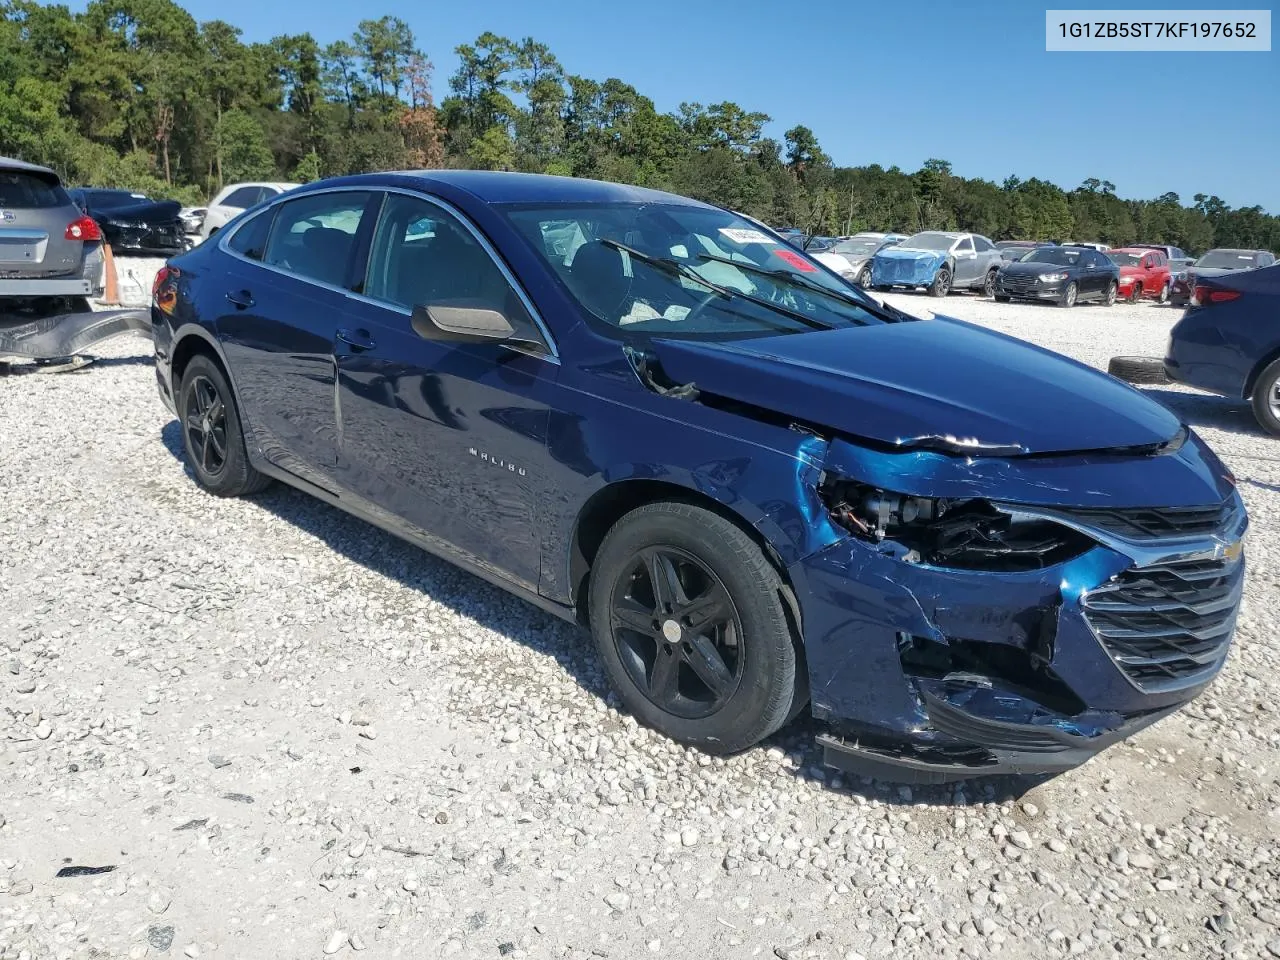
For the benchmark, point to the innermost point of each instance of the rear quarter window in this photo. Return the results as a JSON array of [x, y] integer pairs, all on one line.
[[24, 191]]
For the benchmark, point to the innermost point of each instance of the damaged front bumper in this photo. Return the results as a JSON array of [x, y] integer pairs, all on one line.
[[926, 673]]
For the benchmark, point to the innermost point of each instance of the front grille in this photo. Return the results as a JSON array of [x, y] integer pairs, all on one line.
[[1168, 625], [1152, 523], [1018, 284]]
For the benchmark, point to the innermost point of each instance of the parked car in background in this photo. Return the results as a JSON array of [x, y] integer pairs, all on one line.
[[1215, 263], [1013, 249], [1144, 272], [1086, 243], [192, 218], [851, 257], [938, 260], [132, 222], [49, 247], [234, 199], [760, 490], [1065, 275], [1175, 255], [1228, 341]]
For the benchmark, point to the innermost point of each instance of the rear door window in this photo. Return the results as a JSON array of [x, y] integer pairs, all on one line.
[[315, 236], [25, 191], [250, 239]]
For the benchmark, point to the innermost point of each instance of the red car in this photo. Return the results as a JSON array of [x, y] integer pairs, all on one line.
[[1143, 273]]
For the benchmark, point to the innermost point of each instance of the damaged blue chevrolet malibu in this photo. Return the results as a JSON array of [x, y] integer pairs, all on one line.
[[761, 491]]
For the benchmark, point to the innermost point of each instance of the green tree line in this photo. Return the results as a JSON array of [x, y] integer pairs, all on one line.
[[137, 94]]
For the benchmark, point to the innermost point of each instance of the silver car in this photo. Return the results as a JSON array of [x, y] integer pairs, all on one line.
[[851, 256], [48, 246]]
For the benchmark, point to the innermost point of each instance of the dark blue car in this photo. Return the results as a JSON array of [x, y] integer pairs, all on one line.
[[1228, 341], [762, 492]]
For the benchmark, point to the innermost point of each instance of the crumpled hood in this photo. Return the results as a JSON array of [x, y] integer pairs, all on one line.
[[900, 382], [911, 253], [144, 211]]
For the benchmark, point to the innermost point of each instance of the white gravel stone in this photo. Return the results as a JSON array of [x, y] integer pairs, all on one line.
[[506, 794]]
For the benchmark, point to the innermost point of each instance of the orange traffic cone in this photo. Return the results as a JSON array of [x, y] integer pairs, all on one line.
[[111, 295]]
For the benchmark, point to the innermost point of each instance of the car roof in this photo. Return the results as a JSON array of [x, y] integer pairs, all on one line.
[[1133, 249], [493, 186], [21, 166]]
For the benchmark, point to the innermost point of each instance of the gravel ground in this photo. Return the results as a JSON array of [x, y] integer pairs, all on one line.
[[282, 733]]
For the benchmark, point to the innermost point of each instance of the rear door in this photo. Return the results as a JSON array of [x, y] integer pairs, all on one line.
[[34, 215], [285, 293]]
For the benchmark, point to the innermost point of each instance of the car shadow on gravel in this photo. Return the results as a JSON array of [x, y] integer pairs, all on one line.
[[1208, 410], [496, 610]]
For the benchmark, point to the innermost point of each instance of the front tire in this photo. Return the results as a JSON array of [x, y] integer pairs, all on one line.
[[1266, 399], [1136, 293], [689, 619], [212, 436], [941, 285], [1069, 295], [864, 278]]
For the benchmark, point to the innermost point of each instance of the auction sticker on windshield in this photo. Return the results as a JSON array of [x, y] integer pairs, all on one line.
[[746, 236], [797, 261]]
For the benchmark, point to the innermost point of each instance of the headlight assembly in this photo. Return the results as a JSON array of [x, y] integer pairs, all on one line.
[[1052, 277], [966, 534]]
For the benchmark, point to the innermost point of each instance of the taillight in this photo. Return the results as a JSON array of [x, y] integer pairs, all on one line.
[[1203, 295], [83, 229], [164, 291]]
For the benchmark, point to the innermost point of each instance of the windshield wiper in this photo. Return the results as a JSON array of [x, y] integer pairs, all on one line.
[[678, 269]]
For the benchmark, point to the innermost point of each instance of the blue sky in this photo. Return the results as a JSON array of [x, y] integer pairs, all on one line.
[[892, 83]]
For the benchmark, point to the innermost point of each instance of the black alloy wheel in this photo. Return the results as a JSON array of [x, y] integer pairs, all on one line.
[[678, 633], [205, 424], [212, 435], [691, 623]]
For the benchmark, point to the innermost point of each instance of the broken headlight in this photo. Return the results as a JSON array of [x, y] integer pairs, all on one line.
[[968, 534]]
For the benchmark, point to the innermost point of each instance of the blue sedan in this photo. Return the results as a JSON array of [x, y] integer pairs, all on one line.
[[1228, 341], [762, 492]]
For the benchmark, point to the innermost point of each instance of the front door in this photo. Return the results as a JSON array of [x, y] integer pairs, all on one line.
[[284, 296], [447, 437]]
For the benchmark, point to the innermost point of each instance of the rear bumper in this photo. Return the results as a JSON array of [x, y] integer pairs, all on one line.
[[47, 287]]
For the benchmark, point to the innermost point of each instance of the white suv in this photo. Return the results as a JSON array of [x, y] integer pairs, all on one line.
[[236, 197]]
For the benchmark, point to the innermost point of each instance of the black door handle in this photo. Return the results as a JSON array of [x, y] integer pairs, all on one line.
[[357, 339], [242, 299]]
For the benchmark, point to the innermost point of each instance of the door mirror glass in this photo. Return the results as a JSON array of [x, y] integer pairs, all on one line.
[[458, 323]]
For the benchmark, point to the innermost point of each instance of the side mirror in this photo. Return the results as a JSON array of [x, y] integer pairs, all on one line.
[[460, 324]]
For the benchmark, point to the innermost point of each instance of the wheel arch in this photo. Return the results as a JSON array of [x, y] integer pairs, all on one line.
[[610, 503], [1251, 381], [187, 344]]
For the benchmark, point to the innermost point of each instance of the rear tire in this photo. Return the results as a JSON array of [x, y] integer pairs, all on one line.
[[1164, 294], [1266, 399], [1109, 298], [658, 653], [212, 436], [989, 284], [941, 284]]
